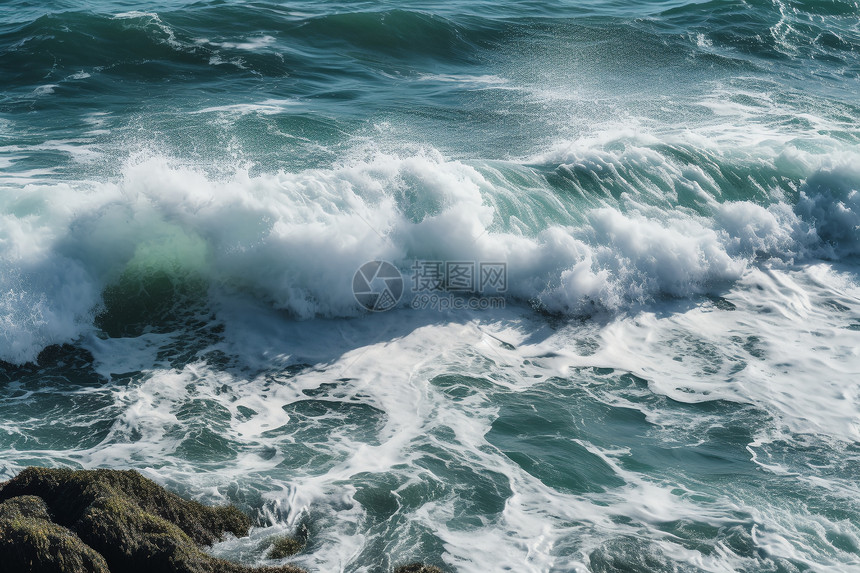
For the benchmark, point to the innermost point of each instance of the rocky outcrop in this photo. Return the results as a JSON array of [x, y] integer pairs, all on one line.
[[417, 568], [109, 521], [284, 547]]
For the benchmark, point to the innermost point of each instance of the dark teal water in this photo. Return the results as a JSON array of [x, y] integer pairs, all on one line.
[[669, 381]]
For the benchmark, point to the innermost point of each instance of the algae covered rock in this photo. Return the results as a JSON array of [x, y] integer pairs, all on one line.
[[285, 546], [29, 541], [68, 493], [110, 520], [417, 568], [24, 507]]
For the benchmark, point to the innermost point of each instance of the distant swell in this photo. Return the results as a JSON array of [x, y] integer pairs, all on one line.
[[141, 45]]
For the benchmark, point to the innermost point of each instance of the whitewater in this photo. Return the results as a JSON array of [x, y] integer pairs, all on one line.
[[671, 381]]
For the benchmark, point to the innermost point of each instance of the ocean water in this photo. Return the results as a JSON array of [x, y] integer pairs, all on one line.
[[669, 381]]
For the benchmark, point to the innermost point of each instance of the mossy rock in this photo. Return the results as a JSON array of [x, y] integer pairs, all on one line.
[[129, 523], [68, 493], [29, 541], [284, 547], [417, 568], [24, 507]]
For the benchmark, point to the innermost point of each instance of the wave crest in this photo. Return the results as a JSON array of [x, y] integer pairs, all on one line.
[[295, 239]]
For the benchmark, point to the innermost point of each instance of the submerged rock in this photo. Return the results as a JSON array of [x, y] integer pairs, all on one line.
[[284, 547], [417, 568], [58, 520]]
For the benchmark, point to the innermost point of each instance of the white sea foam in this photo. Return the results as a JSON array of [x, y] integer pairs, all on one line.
[[469, 80], [830, 202], [250, 44], [151, 18], [135, 14], [79, 149], [46, 89], [265, 107]]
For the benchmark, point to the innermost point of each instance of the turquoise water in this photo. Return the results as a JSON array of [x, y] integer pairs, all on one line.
[[671, 381]]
